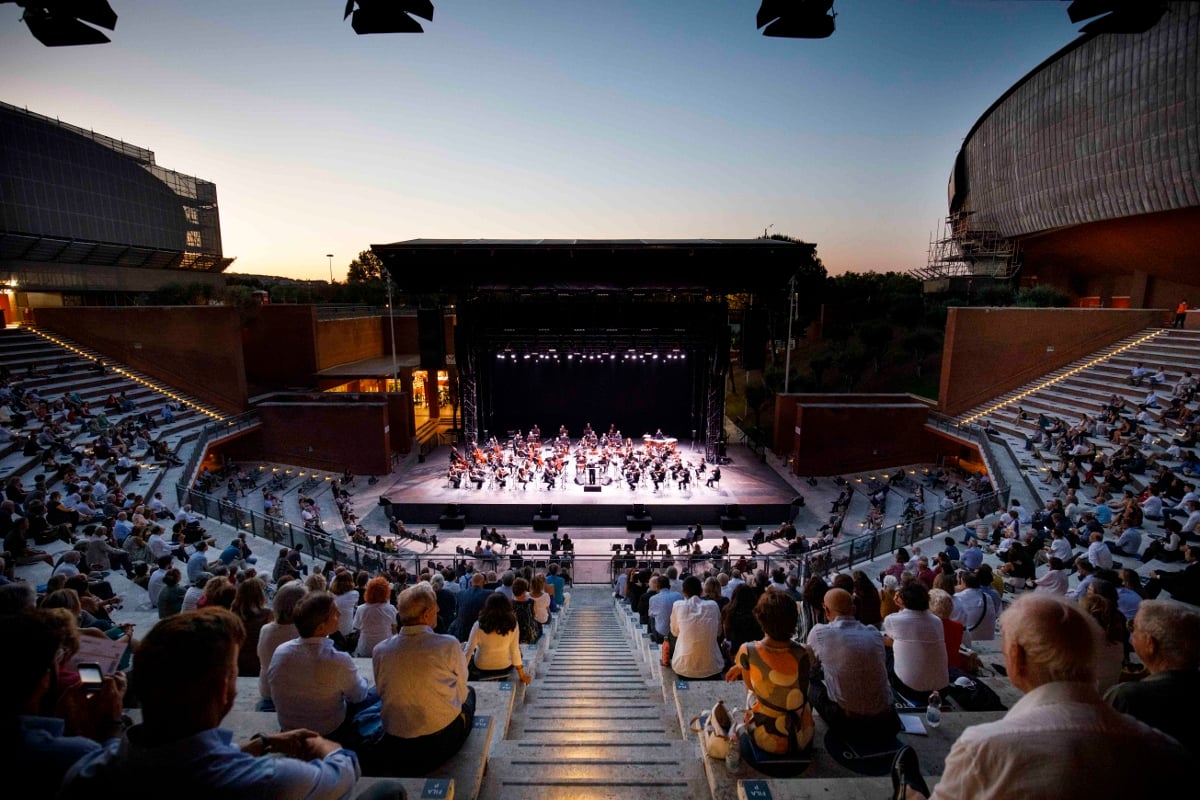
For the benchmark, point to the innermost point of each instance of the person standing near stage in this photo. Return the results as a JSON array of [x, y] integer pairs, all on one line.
[[1181, 314]]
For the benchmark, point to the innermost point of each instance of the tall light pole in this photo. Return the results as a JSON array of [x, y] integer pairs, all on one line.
[[330, 257], [392, 327], [787, 362]]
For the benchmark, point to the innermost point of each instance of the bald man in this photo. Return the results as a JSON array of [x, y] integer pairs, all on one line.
[[852, 694], [1061, 739]]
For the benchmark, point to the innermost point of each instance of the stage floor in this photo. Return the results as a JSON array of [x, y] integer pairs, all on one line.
[[422, 492]]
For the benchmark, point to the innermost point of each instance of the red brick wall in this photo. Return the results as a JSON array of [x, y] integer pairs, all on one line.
[[329, 434], [989, 351], [342, 341], [280, 346], [195, 349], [848, 433]]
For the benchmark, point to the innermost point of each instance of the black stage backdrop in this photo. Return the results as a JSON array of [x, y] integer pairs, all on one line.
[[636, 396]]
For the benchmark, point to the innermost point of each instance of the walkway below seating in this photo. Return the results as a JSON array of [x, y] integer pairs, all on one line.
[[593, 725]]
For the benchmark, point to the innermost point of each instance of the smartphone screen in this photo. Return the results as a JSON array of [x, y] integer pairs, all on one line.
[[91, 676]]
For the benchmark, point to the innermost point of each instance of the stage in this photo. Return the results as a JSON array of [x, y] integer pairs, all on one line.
[[749, 494]]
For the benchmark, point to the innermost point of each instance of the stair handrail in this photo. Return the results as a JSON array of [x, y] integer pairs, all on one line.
[[212, 430]]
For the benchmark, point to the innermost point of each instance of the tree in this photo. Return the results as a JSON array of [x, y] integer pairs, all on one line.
[[1042, 297], [875, 335], [365, 269], [920, 342]]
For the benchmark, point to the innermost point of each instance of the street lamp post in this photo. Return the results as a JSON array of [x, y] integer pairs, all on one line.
[[330, 257], [787, 363]]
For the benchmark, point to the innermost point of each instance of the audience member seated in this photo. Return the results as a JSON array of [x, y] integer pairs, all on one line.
[[776, 670], [695, 625], [314, 685], [427, 706], [918, 643], [273, 634], [1184, 585], [1166, 637], [852, 693], [1050, 653], [186, 682], [37, 741], [493, 648]]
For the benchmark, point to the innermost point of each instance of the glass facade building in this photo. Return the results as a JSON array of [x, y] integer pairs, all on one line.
[[86, 218]]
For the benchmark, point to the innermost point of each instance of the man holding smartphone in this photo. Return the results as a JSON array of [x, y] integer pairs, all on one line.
[[46, 747], [187, 683]]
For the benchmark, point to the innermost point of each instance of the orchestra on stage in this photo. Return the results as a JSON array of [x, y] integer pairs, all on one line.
[[527, 460]]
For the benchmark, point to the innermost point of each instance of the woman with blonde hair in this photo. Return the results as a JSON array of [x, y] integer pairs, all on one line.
[[345, 597], [540, 598], [375, 619]]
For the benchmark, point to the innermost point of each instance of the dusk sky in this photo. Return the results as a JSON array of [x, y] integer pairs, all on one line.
[[530, 119]]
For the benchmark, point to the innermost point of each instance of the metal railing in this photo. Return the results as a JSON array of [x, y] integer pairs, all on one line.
[[977, 434], [211, 431]]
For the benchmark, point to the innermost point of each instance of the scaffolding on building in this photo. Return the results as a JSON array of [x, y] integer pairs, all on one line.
[[964, 252]]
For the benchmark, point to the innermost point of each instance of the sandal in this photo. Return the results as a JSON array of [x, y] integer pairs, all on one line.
[[906, 774]]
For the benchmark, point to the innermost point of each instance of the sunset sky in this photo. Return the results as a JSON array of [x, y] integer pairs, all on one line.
[[534, 119]]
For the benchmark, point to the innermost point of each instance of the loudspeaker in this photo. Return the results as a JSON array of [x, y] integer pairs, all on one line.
[[592, 487], [431, 338]]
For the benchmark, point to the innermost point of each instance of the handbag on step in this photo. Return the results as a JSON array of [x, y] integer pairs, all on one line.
[[713, 729]]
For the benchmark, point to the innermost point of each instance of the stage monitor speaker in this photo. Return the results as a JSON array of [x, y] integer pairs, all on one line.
[[592, 487], [754, 339], [431, 338]]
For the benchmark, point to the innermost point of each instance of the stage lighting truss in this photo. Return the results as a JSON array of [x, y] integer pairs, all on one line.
[[65, 23], [797, 19], [388, 16], [594, 347]]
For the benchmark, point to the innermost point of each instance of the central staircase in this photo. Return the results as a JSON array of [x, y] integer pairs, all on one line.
[[594, 725]]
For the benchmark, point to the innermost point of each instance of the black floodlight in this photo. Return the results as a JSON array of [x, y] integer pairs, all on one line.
[[1117, 16], [62, 23], [388, 16], [796, 19]]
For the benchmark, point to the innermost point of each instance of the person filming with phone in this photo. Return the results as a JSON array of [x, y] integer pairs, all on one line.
[[47, 741]]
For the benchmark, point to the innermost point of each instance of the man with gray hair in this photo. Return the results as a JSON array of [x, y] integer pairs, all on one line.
[[428, 708], [1061, 739], [1166, 637]]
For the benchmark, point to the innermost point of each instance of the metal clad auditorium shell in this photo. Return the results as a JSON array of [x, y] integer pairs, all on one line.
[[1107, 127]]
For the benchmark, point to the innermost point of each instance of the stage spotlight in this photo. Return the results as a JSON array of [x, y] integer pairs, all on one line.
[[1119, 16], [796, 19], [388, 16], [60, 23]]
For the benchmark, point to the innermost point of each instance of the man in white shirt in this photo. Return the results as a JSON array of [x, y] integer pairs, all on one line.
[[918, 643], [696, 626], [1181, 509], [428, 707], [313, 685], [1050, 647], [1192, 523], [1152, 506], [1099, 555], [155, 584], [974, 609]]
